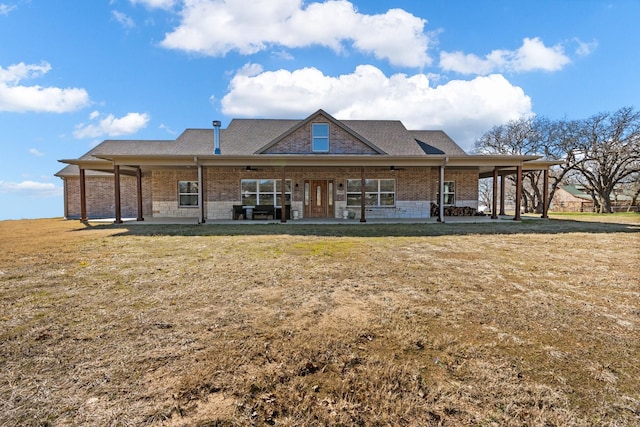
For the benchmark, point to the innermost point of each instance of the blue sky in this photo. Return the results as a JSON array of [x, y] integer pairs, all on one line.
[[75, 72]]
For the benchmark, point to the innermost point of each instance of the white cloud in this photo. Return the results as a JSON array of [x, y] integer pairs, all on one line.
[[282, 54], [463, 109], [532, 55], [6, 8], [19, 98], [216, 27], [31, 189], [111, 126], [14, 73], [167, 129], [123, 19], [396, 35], [36, 152], [156, 4], [585, 48], [250, 70]]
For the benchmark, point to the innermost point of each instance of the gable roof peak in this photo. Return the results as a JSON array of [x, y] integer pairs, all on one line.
[[341, 124]]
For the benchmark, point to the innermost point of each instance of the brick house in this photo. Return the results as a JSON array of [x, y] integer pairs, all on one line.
[[576, 198], [572, 198], [237, 172]]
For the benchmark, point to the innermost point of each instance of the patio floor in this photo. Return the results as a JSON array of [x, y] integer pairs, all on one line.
[[307, 221]]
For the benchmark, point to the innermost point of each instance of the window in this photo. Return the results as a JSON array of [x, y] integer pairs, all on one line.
[[188, 193], [264, 192], [378, 192], [320, 137], [449, 193]]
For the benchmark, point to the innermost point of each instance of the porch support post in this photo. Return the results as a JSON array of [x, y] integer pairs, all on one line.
[[518, 192], [203, 218], [116, 179], [283, 201], [65, 195], [502, 193], [494, 204], [441, 195], [362, 194], [139, 191], [545, 194], [83, 196]]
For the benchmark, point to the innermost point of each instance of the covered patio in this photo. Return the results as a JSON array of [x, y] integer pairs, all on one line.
[[495, 167]]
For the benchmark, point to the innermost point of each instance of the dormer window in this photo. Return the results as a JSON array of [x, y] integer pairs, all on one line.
[[320, 137]]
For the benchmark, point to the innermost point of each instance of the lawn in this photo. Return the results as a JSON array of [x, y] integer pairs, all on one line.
[[510, 323]]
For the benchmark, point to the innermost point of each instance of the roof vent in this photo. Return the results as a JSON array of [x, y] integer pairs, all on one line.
[[216, 136]]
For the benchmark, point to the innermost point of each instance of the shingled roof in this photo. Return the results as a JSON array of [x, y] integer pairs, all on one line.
[[246, 137], [436, 142], [109, 147], [250, 136]]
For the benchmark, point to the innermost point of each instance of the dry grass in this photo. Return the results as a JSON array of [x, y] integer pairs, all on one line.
[[534, 323]]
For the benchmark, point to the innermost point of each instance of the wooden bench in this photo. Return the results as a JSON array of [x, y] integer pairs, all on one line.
[[266, 211]]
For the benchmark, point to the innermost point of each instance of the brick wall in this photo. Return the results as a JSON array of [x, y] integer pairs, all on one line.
[[415, 189], [466, 180], [165, 193], [340, 142], [165, 182], [223, 184], [100, 196]]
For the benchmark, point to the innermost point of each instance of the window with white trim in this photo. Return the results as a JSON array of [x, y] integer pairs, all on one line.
[[449, 193], [320, 137], [377, 192], [188, 194], [264, 192]]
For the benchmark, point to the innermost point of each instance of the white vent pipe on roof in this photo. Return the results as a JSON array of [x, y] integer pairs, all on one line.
[[216, 136]]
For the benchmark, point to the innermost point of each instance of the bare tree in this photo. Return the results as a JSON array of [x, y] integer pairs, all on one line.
[[513, 137], [556, 139], [540, 136], [636, 194], [600, 152], [607, 153], [485, 191]]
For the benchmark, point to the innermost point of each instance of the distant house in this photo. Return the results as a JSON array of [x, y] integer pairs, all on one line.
[[572, 198], [238, 172], [576, 198]]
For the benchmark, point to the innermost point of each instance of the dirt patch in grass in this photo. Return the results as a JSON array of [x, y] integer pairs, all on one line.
[[532, 323]]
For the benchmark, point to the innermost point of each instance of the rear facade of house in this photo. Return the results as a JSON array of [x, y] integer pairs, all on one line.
[[329, 168]]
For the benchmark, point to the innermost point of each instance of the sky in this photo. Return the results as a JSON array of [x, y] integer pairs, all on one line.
[[74, 72]]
